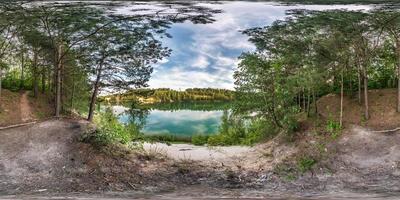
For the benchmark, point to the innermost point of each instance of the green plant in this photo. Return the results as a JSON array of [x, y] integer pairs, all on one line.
[[165, 138], [109, 130], [199, 139], [305, 163], [333, 128]]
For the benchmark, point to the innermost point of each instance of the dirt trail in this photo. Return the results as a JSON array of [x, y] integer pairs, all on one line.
[[26, 111], [46, 159]]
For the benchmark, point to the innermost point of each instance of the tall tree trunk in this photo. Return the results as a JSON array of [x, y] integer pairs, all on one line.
[[1, 79], [21, 86], [35, 74], [315, 103], [62, 85], [304, 100], [365, 78], [298, 100], [73, 92], [308, 102], [58, 80], [43, 79], [398, 73], [341, 101], [359, 85], [95, 92]]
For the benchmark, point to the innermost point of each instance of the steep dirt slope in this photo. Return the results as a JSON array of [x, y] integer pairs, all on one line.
[[366, 160], [10, 110], [382, 108]]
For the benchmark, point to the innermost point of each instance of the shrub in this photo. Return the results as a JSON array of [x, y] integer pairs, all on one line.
[[333, 128], [305, 163], [236, 130], [110, 130], [200, 139], [165, 138]]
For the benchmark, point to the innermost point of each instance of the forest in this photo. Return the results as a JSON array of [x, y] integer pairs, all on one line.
[[313, 53], [72, 51], [278, 99], [165, 95]]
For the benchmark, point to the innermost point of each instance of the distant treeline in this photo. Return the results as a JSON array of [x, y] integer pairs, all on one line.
[[197, 106], [163, 95]]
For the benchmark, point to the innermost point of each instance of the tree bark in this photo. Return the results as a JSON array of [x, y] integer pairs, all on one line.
[[43, 79], [35, 75], [1, 79], [308, 102], [95, 92], [341, 101], [398, 73], [73, 92], [304, 100], [359, 85], [21, 86], [365, 78], [315, 103], [58, 81]]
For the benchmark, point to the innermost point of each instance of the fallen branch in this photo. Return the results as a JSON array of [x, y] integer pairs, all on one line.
[[387, 131], [25, 124], [18, 125]]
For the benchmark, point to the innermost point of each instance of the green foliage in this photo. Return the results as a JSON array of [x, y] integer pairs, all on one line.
[[200, 106], [333, 128], [200, 139], [165, 95], [109, 130], [305, 163], [236, 130], [165, 138]]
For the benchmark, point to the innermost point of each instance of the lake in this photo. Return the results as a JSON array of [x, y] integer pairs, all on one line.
[[178, 119]]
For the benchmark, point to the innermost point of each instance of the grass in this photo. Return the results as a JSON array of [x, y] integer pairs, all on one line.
[[305, 163], [165, 138], [333, 128], [200, 139]]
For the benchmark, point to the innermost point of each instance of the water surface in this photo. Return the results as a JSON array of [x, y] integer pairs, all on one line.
[[179, 119]]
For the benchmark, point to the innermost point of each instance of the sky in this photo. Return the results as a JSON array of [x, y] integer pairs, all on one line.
[[206, 55]]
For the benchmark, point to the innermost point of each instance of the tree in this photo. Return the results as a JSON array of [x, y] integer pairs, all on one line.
[[122, 58], [389, 21]]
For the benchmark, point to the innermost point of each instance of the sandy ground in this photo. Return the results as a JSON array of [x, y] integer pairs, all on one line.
[[256, 158], [198, 153], [45, 159], [26, 112]]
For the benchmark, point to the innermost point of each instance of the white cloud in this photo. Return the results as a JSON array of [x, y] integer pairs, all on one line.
[[213, 63], [200, 62]]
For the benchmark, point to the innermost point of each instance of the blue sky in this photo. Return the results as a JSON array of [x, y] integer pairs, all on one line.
[[206, 55]]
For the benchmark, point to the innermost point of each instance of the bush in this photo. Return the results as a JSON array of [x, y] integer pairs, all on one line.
[[305, 163], [333, 128], [236, 130], [110, 130], [165, 138], [200, 139]]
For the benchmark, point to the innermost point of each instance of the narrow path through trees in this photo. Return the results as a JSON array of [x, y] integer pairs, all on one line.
[[26, 111]]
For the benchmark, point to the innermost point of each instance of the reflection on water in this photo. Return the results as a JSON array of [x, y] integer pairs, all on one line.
[[174, 119]]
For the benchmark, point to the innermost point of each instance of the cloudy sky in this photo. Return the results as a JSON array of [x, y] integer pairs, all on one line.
[[205, 55]]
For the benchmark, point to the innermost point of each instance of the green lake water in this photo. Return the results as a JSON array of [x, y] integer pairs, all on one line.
[[183, 120]]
